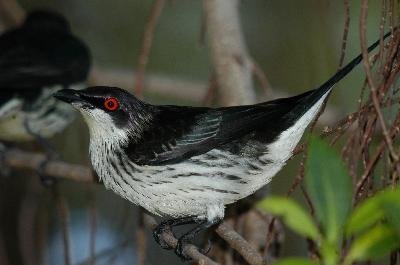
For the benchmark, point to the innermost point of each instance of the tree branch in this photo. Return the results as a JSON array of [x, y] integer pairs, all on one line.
[[233, 66], [238, 243], [191, 251], [11, 13], [147, 40], [180, 89], [20, 159]]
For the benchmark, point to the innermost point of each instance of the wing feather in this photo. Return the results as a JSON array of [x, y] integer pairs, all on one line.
[[178, 133]]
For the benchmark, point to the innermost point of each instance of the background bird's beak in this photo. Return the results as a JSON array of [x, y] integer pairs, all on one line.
[[68, 95]]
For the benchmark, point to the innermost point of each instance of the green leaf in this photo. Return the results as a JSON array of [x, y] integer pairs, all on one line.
[[368, 213], [329, 253], [384, 205], [296, 261], [293, 215], [390, 204], [375, 243], [329, 186]]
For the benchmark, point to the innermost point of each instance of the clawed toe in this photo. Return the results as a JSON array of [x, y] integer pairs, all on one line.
[[207, 248], [157, 234], [185, 242], [46, 180], [182, 248], [4, 169]]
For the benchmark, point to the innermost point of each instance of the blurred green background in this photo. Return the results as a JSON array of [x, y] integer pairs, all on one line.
[[296, 43]]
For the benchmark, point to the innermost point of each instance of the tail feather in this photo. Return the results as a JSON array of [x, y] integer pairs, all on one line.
[[346, 69], [309, 98]]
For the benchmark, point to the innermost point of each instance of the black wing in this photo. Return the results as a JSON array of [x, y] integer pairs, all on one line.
[[178, 133]]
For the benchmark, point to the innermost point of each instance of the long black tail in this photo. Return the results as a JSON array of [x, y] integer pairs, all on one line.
[[345, 70], [306, 100]]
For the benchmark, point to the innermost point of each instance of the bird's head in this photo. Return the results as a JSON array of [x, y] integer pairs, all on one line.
[[46, 20], [109, 111]]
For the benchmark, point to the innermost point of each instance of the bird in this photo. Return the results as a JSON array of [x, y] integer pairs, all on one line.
[[186, 163], [38, 58]]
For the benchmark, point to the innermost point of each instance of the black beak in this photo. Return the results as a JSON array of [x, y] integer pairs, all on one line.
[[68, 95]]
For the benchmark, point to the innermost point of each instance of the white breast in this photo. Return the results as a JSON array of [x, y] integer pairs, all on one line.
[[14, 120]]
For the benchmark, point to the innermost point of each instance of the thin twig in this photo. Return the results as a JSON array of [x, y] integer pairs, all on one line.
[[147, 40], [63, 214], [345, 32], [141, 240], [261, 77], [375, 158], [211, 91], [382, 32], [92, 224], [364, 48], [107, 252], [165, 86]]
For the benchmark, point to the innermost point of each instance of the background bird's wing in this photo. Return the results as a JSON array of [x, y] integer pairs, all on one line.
[[178, 133]]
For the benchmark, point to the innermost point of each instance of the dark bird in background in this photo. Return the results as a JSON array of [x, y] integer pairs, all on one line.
[[37, 59], [187, 163]]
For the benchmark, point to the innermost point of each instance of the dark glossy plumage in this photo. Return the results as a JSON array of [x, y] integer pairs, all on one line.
[[42, 52], [176, 133]]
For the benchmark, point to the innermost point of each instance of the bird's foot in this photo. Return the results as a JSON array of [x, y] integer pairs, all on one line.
[[184, 243], [46, 180], [51, 155], [158, 232], [4, 168]]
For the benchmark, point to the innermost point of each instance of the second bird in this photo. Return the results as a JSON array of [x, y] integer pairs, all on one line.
[[36, 59]]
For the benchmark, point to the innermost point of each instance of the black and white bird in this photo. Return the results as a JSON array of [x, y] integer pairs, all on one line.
[[187, 163], [37, 59]]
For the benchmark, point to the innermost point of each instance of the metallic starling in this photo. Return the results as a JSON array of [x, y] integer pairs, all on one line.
[[187, 163], [38, 58]]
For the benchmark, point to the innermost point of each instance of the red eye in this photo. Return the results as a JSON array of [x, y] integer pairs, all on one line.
[[111, 104]]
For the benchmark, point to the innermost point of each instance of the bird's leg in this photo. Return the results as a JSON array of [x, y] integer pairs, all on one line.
[[4, 168], [189, 237], [51, 154], [166, 225]]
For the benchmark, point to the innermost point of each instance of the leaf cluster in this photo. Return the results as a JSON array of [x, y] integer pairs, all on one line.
[[371, 230]]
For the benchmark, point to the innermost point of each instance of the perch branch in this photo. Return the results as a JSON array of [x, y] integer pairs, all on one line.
[[237, 242], [191, 251], [16, 158]]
